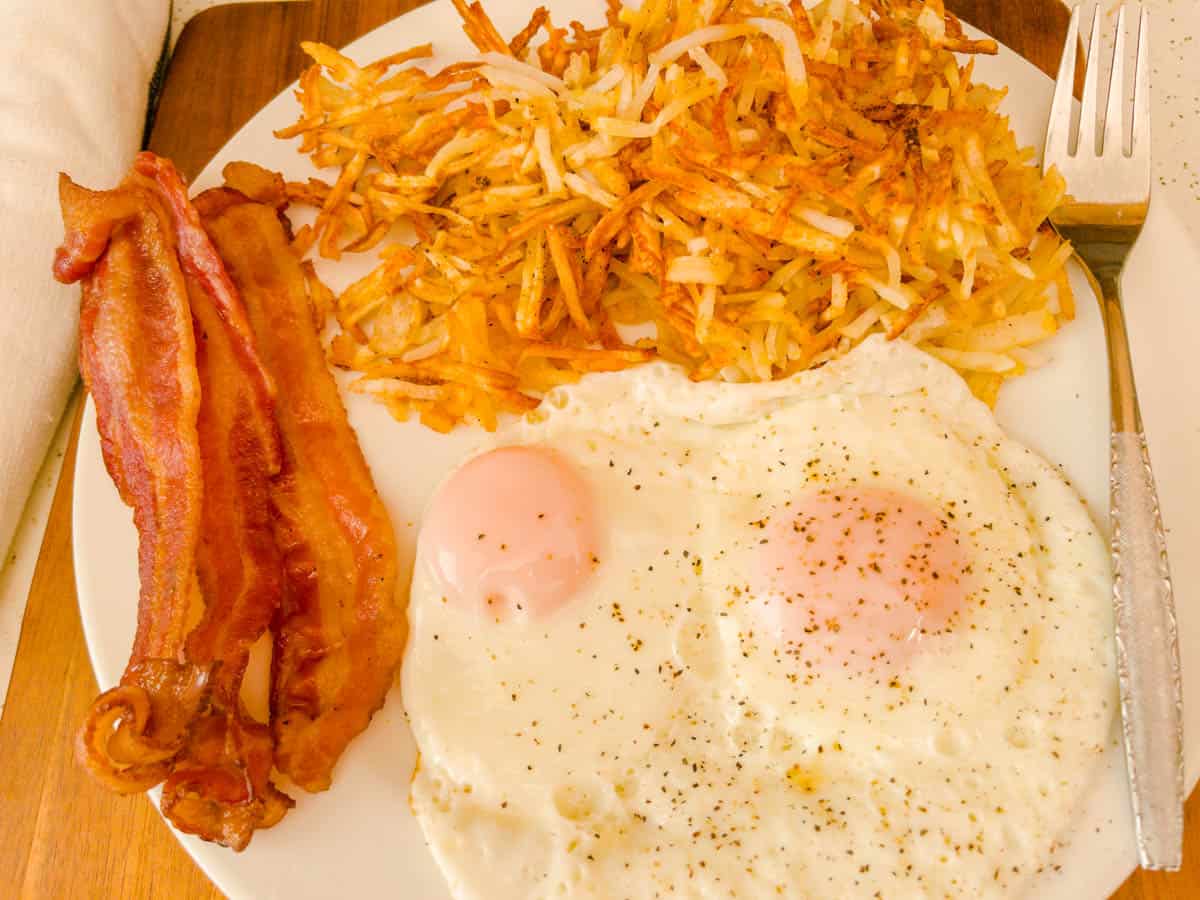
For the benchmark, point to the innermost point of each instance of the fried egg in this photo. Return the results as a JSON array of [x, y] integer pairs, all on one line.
[[831, 636]]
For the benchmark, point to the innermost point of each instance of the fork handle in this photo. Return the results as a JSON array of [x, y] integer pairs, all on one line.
[[1146, 639]]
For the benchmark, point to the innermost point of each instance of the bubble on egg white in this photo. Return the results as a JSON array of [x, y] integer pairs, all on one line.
[[780, 741], [950, 742], [626, 789], [573, 802], [1017, 737], [441, 795], [694, 646], [1014, 837], [749, 731]]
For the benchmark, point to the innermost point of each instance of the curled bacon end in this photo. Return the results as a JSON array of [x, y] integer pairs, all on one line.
[[259, 184], [89, 218], [222, 791], [134, 731]]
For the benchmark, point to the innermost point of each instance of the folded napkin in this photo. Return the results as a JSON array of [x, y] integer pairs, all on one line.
[[73, 89]]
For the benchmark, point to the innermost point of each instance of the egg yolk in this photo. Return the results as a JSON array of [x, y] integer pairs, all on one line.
[[858, 578], [512, 533]]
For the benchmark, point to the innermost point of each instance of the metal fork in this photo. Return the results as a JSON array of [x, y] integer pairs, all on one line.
[[1109, 191]]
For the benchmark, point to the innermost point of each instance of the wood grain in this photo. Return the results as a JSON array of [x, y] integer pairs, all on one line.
[[60, 835]]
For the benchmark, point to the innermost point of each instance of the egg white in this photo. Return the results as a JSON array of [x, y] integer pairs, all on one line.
[[648, 740]]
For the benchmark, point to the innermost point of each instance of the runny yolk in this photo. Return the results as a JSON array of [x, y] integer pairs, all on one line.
[[512, 533], [857, 578]]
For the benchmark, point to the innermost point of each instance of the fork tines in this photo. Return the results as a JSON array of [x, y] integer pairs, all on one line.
[[1111, 142]]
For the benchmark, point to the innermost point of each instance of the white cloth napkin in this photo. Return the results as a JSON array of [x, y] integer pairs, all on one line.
[[73, 89]]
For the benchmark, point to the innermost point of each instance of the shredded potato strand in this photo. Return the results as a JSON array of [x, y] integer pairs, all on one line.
[[754, 187]]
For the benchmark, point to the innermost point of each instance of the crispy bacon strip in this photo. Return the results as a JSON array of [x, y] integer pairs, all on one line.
[[186, 414], [220, 787], [202, 263], [340, 633], [137, 355]]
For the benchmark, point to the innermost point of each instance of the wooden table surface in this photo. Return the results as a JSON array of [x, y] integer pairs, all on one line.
[[60, 835]]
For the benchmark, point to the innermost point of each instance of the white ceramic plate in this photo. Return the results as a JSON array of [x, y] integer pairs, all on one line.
[[360, 839]]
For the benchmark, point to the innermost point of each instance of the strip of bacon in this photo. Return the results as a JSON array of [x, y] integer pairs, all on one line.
[[202, 263], [340, 633], [148, 264], [137, 356], [220, 787]]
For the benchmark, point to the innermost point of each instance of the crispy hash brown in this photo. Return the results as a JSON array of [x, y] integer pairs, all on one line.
[[764, 184]]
